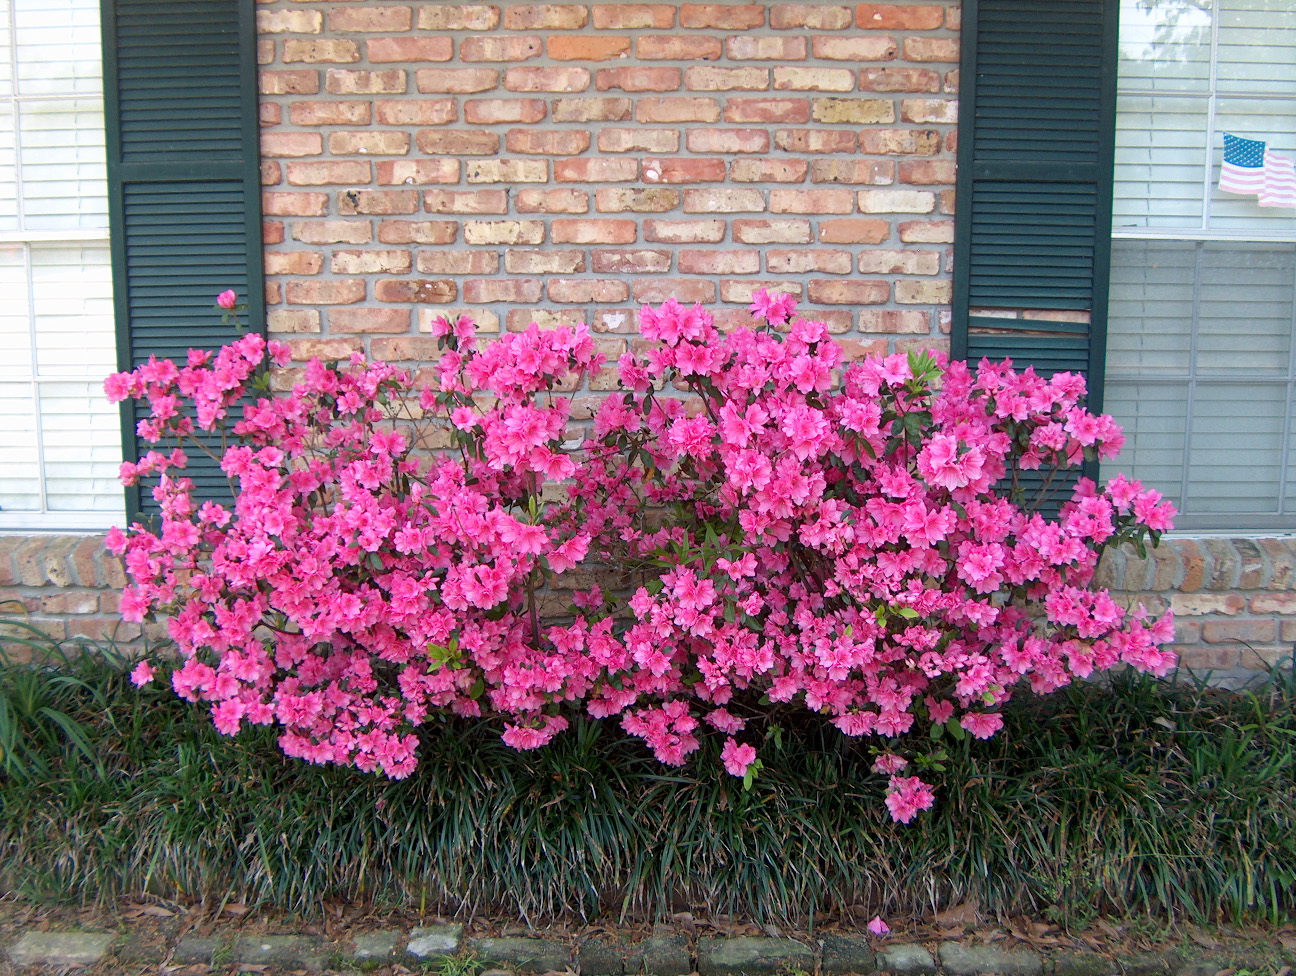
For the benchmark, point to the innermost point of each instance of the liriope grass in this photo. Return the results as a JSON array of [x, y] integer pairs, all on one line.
[[1138, 798]]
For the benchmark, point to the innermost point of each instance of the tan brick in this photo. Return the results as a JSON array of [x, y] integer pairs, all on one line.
[[929, 110], [457, 142], [676, 47], [545, 16], [894, 320], [488, 111], [332, 231], [728, 140], [631, 262], [292, 82], [719, 262], [502, 47], [369, 320], [923, 292], [481, 292], [872, 47], [900, 142], [767, 170], [907, 261], [346, 292], [683, 170], [370, 262], [928, 49], [684, 231], [382, 142], [421, 291], [927, 231], [870, 171], [831, 292], [508, 171], [815, 140], [409, 50], [742, 48], [855, 111], [329, 113], [632, 16], [370, 19], [602, 290], [292, 320], [684, 290], [814, 79], [772, 231], [444, 262], [595, 170], [805, 260], [406, 349], [565, 47], [381, 202], [521, 319], [484, 318], [504, 232], [886, 16], [742, 290], [416, 111], [456, 81], [553, 79], [417, 171], [708, 78], [293, 262], [790, 16], [271, 172], [538, 261], [289, 21], [640, 140], [650, 200], [547, 142], [897, 201], [323, 51], [283, 204], [724, 201], [1252, 631], [855, 350], [552, 201], [1204, 604], [458, 17], [811, 201], [593, 231], [767, 110]]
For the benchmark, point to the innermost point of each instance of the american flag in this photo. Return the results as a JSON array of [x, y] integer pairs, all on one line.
[[1243, 170], [1279, 181]]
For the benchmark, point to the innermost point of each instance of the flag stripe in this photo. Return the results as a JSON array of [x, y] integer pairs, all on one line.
[[1279, 181]]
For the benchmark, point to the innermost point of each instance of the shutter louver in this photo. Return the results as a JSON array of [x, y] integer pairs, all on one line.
[[184, 187]]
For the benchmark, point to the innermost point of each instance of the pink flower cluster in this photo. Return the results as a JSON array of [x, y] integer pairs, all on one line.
[[785, 528]]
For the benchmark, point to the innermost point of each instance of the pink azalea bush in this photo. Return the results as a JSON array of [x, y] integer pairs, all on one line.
[[775, 526]]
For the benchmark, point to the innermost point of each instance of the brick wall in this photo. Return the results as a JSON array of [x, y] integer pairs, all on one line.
[[569, 162]]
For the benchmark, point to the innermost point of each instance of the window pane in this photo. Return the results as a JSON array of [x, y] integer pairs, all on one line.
[[81, 436], [72, 301], [1150, 310], [6, 61], [19, 455], [1272, 121], [1155, 423], [1257, 46], [15, 326], [1165, 46], [58, 47], [1245, 307], [64, 180], [8, 170], [1237, 434], [1160, 170]]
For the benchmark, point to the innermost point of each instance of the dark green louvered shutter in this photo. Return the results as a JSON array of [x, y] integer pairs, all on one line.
[[184, 188], [1033, 224]]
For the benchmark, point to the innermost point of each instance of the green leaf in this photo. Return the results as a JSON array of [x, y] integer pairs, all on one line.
[[937, 730], [909, 613], [956, 730]]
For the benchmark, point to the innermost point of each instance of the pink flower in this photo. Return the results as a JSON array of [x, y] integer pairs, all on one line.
[[227, 299], [737, 758], [908, 796], [878, 927], [142, 674], [889, 764], [982, 725]]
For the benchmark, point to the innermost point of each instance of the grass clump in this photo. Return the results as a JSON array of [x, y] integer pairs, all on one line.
[[1142, 798]]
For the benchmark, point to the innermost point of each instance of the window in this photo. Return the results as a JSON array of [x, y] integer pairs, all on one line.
[[59, 456], [1201, 362]]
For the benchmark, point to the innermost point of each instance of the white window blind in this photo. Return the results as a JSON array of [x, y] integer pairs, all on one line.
[[1203, 284], [59, 462]]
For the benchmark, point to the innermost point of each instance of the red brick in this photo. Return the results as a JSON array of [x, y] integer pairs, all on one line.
[[728, 140], [885, 16], [923, 172], [293, 320], [722, 16], [552, 201], [631, 16], [417, 231], [289, 21], [685, 290], [907, 261], [488, 111], [616, 320], [708, 78], [343, 19], [547, 79], [899, 80], [420, 291], [501, 48], [269, 113], [684, 231], [587, 290], [896, 201], [928, 110], [932, 49], [406, 349], [70, 603], [390, 320], [767, 170], [330, 51], [815, 140], [506, 290], [417, 171], [683, 170], [790, 16], [576, 48], [271, 172], [329, 113], [767, 110], [442, 262], [831, 292], [452, 17], [457, 142], [504, 232], [380, 142], [765, 48], [855, 350], [291, 144], [651, 200], [370, 262], [927, 231], [331, 171], [632, 262], [417, 111], [410, 50], [595, 170], [456, 81], [811, 201], [593, 231], [280, 204], [724, 201], [508, 171], [346, 292], [542, 261], [380, 202], [872, 47], [272, 232], [292, 82], [719, 262], [466, 201], [900, 142], [871, 171], [547, 142], [332, 231], [805, 259], [638, 78], [772, 231], [814, 79], [847, 231], [894, 321], [545, 16], [676, 47], [640, 140], [1252, 631]]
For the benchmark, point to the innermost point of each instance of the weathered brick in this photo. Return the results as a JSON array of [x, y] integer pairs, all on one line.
[[894, 320], [368, 320], [871, 47], [1203, 604], [265, 50], [521, 319], [456, 81], [346, 292], [623, 320], [767, 110], [886, 16], [406, 349], [742, 290], [871, 171], [296, 81], [271, 172], [722, 16], [768, 170], [329, 113], [595, 170], [719, 262], [458, 17], [827, 291], [508, 171], [409, 50], [855, 111], [926, 172], [923, 292], [728, 140], [481, 291], [815, 140], [633, 79], [814, 79], [272, 232], [683, 170], [293, 262], [466, 201], [906, 261], [504, 232], [1233, 631], [811, 201], [723, 201], [547, 142], [501, 47], [631, 262], [546, 16], [291, 144], [639, 140], [707, 78], [602, 290], [684, 231], [803, 260], [790, 16], [422, 291], [564, 47], [932, 49], [772, 231], [551, 79], [322, 51], [380, 142], [900, 142], [416, 111], [1282, 603], [289, 21], [676, 47], [332, 231], [754, 48], [483, 318], [488, 111], [379, 202], [552, 201], [897, 201], [593, 231], [632, 16], [926, 231], [929, 110], [543, 261], [685, 290], [440, 261], [370, 262], [457, 142], [898, 79], [293, 320], [417, 171], [285, 204], [370, 19], [649, 200]]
